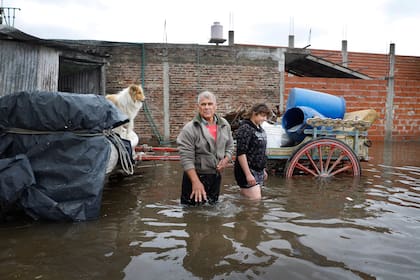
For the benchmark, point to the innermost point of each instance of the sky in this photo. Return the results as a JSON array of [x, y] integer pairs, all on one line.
[[369, 26]]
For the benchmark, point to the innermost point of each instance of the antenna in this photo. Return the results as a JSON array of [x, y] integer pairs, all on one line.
[[8, 15], [309, 37], [165, 34], [345, 32], [291, 27]]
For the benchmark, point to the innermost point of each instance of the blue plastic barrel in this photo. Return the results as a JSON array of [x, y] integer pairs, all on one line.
[[330, 106], [294, 121]]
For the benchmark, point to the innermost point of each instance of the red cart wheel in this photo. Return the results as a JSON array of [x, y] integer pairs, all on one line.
[[323, 157]]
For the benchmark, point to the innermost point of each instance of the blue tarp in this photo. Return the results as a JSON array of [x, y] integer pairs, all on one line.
[[54, 153]]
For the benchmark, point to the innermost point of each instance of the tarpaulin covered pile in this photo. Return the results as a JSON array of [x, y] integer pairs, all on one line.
[[54, 153]]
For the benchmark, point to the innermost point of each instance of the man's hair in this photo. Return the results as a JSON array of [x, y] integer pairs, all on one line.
[[206, 95]]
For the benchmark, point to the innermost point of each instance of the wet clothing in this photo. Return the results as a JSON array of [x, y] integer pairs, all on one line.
[[241, 178], [200, 151], [211, 184], [251, 140]]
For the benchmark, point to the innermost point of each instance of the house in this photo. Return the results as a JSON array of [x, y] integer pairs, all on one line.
[[31, 63]]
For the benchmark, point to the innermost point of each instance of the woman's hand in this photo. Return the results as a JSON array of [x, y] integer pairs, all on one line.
[[265, 175], [250, 179]]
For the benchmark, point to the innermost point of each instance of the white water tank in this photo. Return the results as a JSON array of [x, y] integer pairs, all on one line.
[[217, 33], [217, 30]]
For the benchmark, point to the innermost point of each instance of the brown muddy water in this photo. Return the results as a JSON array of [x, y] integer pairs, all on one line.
[[302, 229]]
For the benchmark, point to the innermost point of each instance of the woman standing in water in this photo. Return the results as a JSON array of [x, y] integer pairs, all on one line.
[[251, 158]]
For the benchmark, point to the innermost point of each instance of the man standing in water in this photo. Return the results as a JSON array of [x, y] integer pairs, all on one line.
[[205, 146]]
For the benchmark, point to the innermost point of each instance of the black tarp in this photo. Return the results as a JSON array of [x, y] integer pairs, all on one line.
[[54, 153]]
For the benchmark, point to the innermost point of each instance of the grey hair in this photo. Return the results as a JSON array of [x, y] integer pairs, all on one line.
[[206, 95]]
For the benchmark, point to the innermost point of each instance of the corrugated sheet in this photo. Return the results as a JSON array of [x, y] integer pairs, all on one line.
[[27, 67], [88, 81], [30, 63]]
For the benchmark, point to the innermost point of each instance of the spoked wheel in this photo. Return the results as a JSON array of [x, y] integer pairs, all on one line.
[[323, 157]]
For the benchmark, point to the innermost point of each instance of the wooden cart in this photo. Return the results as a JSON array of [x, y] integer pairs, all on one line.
[[332, 147]]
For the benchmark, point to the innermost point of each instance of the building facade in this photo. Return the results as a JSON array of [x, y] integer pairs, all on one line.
[[172, 75]]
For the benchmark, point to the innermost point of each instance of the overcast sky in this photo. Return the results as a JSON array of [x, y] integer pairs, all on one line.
[[367, 25]]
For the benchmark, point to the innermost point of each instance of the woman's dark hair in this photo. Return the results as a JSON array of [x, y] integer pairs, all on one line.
[[260, 108]]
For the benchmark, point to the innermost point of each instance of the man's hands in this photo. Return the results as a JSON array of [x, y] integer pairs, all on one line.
[[198, 194], [222, 164]]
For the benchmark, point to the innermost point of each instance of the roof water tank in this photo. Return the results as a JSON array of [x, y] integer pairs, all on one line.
[[216, 30]]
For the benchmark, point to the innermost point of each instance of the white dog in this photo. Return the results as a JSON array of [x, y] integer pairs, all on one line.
[[129, 101]]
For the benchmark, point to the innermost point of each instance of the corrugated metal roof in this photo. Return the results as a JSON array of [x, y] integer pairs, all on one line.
[[11, 33], [308, 65]]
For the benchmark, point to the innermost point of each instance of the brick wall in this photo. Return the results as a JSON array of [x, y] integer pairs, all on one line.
[[245, 75], [376, 65], [406, 125], [371, 94]]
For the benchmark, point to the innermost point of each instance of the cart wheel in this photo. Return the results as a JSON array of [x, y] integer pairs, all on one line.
[[323, 157]]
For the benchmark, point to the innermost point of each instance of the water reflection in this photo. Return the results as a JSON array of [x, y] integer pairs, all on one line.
[[342, 228], [207, 244]]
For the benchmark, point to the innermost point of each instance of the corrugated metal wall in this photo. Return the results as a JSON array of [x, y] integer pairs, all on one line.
[[86, 81], [27, 67]]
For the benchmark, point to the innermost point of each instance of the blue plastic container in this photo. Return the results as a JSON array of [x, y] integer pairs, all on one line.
[[330, 106], [294, 121]]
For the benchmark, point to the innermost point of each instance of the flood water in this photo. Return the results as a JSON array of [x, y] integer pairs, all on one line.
[[367, 228]]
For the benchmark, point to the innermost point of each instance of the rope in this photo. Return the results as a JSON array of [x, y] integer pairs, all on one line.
[[82, 133], [124, 156]]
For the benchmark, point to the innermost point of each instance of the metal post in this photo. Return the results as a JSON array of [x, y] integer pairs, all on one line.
[[344, 54], [291, 41]]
